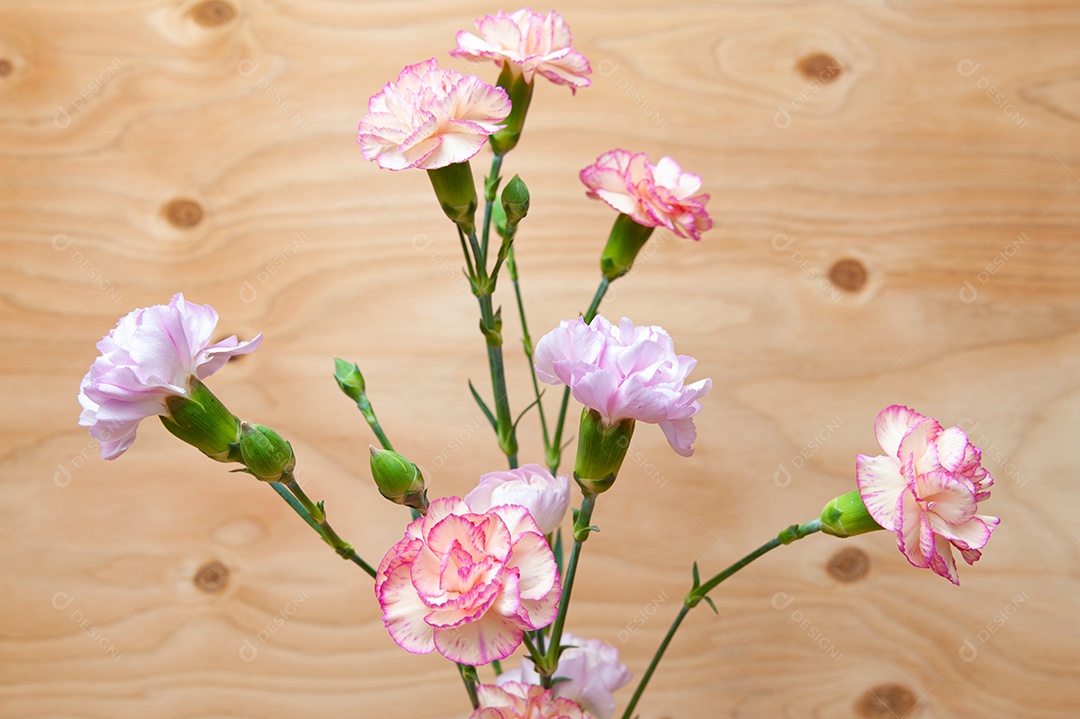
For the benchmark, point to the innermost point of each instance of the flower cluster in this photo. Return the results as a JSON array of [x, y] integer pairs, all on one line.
[[926, 489], [430, 118], [659, 195], [625, 372], [151, 355], [468, 584], [513, 700], [529, 43]]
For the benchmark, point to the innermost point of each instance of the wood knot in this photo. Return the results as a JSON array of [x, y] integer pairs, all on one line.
[[848, 274], [820, 67], [213, 13], [6, 68], [211, 577], [183, 212], [886, 701], [850, 564]]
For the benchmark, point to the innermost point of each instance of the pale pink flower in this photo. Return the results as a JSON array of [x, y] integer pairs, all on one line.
[[531, 486], [625, 372], [430, 118], [529, 43], [659, 195], [513, 700], [468, 584], [149, 356], [590, 671], [926, 489]]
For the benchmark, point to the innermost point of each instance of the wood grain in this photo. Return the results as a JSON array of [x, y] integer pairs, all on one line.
[[150, 147]]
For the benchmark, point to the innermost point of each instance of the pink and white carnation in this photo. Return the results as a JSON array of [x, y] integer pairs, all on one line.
[[659, 195], [430, 118], [513, 700], [926, 489], [529, 43], [589, 673], [531, 486], [468, 584], [625, 372], [150, 355]]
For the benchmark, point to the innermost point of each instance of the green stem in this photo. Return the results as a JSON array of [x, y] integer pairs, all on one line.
[[699, 592], [470, 683], [504, 422], [491, 187], [555, 448], [511, 265], [582, 528], [317, 518]]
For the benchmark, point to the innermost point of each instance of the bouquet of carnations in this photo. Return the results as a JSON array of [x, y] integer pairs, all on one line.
[[477, 577]]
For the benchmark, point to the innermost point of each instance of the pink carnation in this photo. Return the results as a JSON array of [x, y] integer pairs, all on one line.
[[512, 700], [430, 118], [926, 489], [150, 355], [659, 195], [625, 372], [532, 486], [529, 43], [589, 673], [468, 584]]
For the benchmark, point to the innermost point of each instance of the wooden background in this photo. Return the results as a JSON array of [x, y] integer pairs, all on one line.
[[896, 188]]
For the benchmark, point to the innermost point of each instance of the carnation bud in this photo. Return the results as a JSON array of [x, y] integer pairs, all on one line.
[[349, 378], [515, 201], [625, 241], [398, 479], [456, 191], [520, 93], [201, 420], [846, 516], [266, 455], [601, 451]]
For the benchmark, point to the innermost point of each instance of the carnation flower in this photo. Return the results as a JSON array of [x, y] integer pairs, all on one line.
[[528, 43], [625, 372], [430, 118], [530, 486], [589, 673], [151, 355], [926, 489], [659, 195], [468, 584], [512, 700]]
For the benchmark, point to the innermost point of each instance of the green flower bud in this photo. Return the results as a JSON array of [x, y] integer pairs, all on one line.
[[201, 420], [398, 479], [349, 378], [601, 451], [847, 516], [266, 455], [520, 92], [625, 241], [456, 191], [515, 201]]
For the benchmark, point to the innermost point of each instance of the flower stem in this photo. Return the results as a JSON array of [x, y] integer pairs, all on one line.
[[314, 515], [526, 340], [491, 187], [699, 592], [468, 677], [554, 454], [582, 528]]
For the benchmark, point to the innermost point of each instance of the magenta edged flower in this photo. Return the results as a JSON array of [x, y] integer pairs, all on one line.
[[625, 372], [468, 584], [430, 118], [513, 700], [659, 195], [528, 43], [926, 489], [589, 673], [150, 356]]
